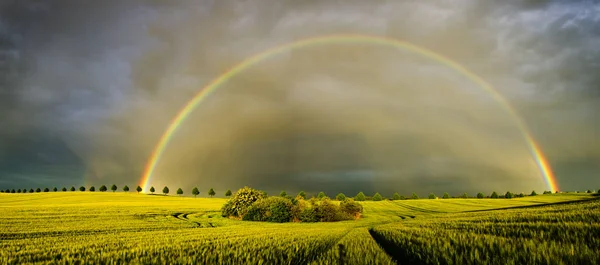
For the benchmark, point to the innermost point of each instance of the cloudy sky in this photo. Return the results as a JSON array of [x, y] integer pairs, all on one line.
[[88, 87]]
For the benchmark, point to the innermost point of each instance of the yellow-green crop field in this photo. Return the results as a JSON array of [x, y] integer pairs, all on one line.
[[130, 228]]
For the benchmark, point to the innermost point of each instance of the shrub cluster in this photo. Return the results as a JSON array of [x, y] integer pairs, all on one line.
[[252, 205]]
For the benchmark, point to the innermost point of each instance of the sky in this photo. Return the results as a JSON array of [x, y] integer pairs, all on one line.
[[88, 87]]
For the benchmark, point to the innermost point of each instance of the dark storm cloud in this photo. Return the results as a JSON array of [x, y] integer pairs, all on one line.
[[96, 82]]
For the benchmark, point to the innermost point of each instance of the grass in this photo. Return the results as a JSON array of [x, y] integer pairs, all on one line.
[[114, 228]]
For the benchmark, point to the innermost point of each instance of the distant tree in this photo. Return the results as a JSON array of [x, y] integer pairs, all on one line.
[[113, 188], [360, 196], [179, 191], [480, 195], [92, 188], [556, 192], [166, 190], [211, 192], [340, 197], [195, 191], [283, 194], [396, 196], [547, 192], [302, 194], [431, 196], [125, 188], [533, 193], [402, 197], [521, 195], [377, 197], [64, 189], [464, 195], [446, 195], [19, 191], [55, 189], [72, 188], [138, 189], [103, 188], [321, 195], [46, 190], [494, 195], [589, 191], [228, 193], [415, 196], [82, 188], [152, 190], [508, 195], [13, 191], [38, 190], [30, 190]]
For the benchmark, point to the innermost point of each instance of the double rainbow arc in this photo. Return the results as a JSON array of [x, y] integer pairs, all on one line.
[[181, 116]]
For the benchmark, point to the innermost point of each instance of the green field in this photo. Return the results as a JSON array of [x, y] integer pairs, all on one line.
[[117, 228]]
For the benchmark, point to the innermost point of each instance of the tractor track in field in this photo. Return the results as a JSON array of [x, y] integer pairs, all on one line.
[[398, 255], [184, 217]]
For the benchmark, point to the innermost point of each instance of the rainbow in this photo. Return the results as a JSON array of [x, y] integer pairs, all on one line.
[[181, 116]]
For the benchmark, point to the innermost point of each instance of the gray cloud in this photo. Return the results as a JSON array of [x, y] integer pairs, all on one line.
[[98, 82]]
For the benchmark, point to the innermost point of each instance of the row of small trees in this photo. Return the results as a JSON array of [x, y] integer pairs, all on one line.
[[103, 188], [340, 196]]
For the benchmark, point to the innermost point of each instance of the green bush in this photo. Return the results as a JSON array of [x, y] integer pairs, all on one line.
[[328, 212], [377, 197], [415, 196], [360, 196], [301, 194], [494, 195], [308, 215], [321, 195], [351, 208], [238, 205], [432, 196], [270, 209]]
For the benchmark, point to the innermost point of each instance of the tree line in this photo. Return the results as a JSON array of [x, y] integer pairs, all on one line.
[[113, 188], [340, 196]]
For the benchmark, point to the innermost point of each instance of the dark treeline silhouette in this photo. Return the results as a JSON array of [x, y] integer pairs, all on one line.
[[320, 195]]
